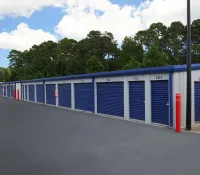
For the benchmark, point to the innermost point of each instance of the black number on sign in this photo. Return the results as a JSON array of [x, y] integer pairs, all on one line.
[[158, 77], [108, 79]]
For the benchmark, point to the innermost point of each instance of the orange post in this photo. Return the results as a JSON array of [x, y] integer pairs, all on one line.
[[55, 93], [178, 113]]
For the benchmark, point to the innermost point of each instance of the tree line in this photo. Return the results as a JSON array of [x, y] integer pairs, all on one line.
[[156, 46]]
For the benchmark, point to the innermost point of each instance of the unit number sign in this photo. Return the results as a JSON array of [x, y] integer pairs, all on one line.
[[159, 77], [135, 78]]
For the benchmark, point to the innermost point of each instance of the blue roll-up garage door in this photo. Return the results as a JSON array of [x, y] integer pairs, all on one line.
[[31, 90], [4, 90], [84, 96], [11, 91], [50, 98], [40, 93], [26, 92], [8, 90], [160, 102], [110, 98], [137, 100], [64, 95], [197, 101], [1, 90], [22, 92]]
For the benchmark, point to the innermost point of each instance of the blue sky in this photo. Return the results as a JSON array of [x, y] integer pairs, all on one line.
[[40, 20], [30, 22], [37, 21]]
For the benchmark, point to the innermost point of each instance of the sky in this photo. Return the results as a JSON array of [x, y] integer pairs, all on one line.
[[24, 23]]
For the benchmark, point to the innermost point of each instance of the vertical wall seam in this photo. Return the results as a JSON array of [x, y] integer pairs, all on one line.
[[171, 98], [93, 92]]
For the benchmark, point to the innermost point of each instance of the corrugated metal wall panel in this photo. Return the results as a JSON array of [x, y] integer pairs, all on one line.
[[40, 93], [110, 98], [26, 92], [137, 100], [50, 98], [64, 95], [31, 89], [84, 97], [160, 102], [197, 101]]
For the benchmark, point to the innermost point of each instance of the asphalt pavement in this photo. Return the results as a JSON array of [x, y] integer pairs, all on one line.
[[42, 140]]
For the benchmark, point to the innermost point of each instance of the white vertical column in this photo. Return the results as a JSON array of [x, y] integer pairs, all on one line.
[[95, 96], [126, 99], [35, 92], [56, 93], [20, 91], [147, 100], [72, 95], [45, 98]]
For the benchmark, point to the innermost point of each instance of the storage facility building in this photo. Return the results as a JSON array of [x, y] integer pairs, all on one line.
[[144, 95]]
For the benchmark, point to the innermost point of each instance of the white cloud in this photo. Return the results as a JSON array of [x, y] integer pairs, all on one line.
[[83, 16], [23, 38], [121, 21], [25, 7]]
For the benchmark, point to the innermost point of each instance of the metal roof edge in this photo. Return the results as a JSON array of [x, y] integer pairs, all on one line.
[[140, 71]]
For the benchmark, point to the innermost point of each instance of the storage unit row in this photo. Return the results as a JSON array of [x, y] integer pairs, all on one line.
[[145, 95]]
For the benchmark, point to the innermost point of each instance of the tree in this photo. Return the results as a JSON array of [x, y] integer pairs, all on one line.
[[175, 45], [155, 57], [195, 41], [4, 74], [97, 44], [156, 46], [156, 34], [94, 65], [132, 64], [130, 49]]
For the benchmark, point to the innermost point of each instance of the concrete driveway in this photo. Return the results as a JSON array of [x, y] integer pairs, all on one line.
[[41, 140]]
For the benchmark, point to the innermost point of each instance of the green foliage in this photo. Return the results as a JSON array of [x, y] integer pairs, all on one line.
[[130, 49], [132, 64], [94, 65], [4, 74], [156, 46], [155, 57]]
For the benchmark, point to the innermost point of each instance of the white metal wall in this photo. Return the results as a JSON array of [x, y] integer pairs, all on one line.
[[179, 86], [18, 87]]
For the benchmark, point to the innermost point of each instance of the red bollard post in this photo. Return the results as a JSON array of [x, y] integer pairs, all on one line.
[[18, 94], [178, 113], [54, 93]]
